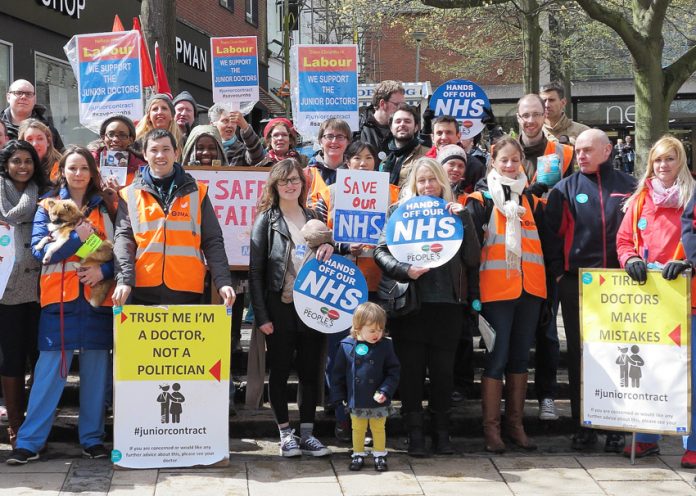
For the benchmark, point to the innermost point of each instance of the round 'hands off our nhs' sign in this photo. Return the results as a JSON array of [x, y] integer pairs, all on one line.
[[421, 232], [463, 100]]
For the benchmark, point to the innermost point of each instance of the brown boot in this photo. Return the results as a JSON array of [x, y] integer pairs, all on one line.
[[491, 394], [13, 388], [516, 392]]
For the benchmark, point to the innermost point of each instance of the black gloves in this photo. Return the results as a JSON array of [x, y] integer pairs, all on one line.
[[538, 189], [674, 268], [637, 269]]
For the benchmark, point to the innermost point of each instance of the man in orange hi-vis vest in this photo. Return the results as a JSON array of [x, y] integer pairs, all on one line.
[[165, 226]]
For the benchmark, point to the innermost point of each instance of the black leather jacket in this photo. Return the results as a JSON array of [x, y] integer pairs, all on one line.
[[463, 268], [269, 258]]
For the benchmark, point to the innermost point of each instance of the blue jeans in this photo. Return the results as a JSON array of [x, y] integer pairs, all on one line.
[[690, 440], [514, 322], [46, 393]]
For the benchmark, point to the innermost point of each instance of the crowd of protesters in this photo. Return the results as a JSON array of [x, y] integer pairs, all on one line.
[[527, 233]]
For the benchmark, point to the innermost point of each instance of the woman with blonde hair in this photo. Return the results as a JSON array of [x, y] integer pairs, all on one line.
[[650, 236], [445, 293], [39, 135], [159, 114]]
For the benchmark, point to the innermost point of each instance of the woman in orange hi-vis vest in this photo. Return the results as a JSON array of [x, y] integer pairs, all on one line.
[[68, 321], [510, 225], [650, 236]]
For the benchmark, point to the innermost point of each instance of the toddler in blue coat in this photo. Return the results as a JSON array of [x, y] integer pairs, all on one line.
[[364, 377]]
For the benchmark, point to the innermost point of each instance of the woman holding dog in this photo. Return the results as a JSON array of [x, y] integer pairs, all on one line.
[[21, 182], [68, 322]]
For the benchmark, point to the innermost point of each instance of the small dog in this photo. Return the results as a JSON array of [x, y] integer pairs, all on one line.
[[65, 215]]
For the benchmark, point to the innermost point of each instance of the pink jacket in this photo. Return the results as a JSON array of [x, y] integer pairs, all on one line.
[[658, 228]]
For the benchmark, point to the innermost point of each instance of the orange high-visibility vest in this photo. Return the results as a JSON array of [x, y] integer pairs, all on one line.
[[168, 245], [564, 152], [51, 274], [497, 282], [316, 189]]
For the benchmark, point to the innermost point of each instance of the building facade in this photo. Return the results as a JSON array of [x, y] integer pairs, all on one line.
[[33, 33]]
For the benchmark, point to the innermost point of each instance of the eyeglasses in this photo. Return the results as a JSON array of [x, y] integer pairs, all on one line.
[[120, 136], [290, 180], [335, 137], [533, 115], [20, 94]]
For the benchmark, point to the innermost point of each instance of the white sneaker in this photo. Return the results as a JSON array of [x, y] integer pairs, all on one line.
[[547, 409], [289, 447], [312, 446], [3, 415]]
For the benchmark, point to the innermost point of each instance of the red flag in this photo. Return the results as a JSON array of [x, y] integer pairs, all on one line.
[[148, 75], [118, 25], [162, 83]]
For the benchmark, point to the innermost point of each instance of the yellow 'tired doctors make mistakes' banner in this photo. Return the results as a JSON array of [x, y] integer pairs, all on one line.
[[635, 352], [171, 385]]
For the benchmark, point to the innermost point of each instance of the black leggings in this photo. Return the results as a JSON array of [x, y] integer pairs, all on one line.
[[290, 339], [427, 340]]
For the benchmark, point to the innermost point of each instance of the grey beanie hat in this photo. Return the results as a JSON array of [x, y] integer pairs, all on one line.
[[185, 96], [160, 96]]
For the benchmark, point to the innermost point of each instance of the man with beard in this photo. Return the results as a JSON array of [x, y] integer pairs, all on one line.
[[404, 148]]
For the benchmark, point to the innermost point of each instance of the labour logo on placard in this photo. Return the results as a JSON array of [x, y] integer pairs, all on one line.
[[463, 100], [327, 293], [421, 232]]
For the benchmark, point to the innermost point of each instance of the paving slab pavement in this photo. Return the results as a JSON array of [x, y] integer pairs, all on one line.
[[255, 469]]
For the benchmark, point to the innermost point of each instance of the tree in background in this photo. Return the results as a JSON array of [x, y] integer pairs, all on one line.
[[159, 25]]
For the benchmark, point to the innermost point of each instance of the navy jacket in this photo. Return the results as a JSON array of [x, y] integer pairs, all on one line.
[[584, 211], [356, 378], [85, 327]]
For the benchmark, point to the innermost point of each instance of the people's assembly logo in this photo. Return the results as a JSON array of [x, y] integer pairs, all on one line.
[[630, 366], [171, 403]]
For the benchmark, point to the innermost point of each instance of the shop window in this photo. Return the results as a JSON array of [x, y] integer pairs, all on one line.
[[5, 69], [228, 4], [56, 88], [252, 12]]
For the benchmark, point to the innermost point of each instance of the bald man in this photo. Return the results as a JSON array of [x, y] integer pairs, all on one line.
[[584, 210], [21, 105]]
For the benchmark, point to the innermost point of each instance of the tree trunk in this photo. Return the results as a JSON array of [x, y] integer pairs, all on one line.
[[159, 25], [531, 36], [652, 106]]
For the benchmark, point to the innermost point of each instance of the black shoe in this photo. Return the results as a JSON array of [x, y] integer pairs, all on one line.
[[614, 443], [457, 396], [584, 439], [21, 456], [343, 432], [95, 452], [442, 444], [356, 463], [381, 464]]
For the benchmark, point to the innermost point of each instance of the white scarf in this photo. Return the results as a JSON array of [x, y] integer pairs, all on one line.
[[512, 211]]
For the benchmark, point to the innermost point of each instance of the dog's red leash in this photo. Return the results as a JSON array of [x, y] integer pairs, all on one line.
[[63, 361]]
